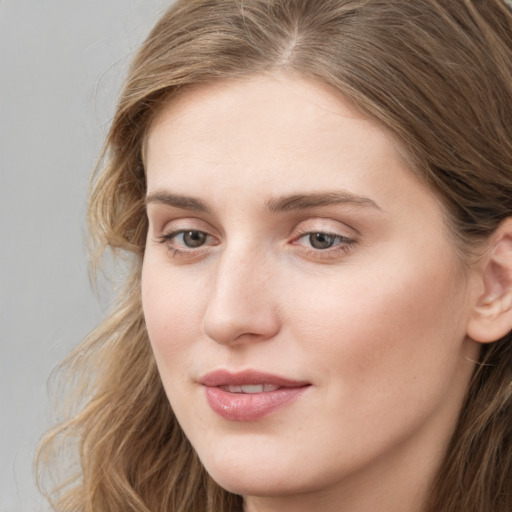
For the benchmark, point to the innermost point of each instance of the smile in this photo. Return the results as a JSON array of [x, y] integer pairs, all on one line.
[[250, 395], [250, 388]]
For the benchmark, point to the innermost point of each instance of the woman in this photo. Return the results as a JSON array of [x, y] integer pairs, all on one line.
[[317, 200]]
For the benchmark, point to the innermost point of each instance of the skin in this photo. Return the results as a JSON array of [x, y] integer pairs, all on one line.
[[376, 323]]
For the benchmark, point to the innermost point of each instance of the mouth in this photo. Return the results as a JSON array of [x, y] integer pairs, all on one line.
[[249, 395], [250, 388]]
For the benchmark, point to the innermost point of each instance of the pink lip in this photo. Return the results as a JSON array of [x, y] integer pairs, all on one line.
[[249, 406]]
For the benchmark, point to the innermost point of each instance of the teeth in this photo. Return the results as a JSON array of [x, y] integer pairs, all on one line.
[[232, 389], [250, 388], [253, 388]]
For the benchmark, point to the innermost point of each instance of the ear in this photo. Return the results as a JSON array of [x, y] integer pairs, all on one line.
[[492, 316]]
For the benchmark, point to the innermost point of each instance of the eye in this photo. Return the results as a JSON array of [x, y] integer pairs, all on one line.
[[322, 246], [192, 239], [323, 241], [187, 242]]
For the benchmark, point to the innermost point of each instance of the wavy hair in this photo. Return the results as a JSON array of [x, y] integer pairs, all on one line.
[[438, 75]]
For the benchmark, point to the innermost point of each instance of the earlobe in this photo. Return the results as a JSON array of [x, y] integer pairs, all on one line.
[[492, 315]]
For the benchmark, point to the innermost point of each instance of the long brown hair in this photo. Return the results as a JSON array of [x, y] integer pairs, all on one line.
[[438, 75]]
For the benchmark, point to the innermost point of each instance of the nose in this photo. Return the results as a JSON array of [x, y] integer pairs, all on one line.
[[242, 308]]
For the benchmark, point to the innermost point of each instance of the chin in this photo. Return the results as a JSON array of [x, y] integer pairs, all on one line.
[[253, 483], [260, 476]]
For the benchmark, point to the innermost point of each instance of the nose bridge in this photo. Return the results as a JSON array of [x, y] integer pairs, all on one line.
[[241, 304]]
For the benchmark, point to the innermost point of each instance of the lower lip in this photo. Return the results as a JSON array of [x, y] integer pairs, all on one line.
[[250, 406]]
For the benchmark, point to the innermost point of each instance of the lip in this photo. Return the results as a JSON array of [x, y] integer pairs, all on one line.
[[243, 407]]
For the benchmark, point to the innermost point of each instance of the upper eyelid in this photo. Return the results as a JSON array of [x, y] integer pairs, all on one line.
[[343, 243], [163, 225], [171, 236], [166, 225], [168, 240], [166, 235], [324, 232], [330, 227]]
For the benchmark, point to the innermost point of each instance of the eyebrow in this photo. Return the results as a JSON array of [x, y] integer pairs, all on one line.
[[305, 201], [177, 201], [281, 204]]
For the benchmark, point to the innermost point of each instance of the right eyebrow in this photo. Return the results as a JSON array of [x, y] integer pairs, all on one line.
[[177, 201]]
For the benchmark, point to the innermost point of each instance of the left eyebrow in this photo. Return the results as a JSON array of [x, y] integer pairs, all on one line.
[[305, 201]]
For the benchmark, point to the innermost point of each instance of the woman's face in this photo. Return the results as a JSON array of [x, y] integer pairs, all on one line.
[[306, 309]]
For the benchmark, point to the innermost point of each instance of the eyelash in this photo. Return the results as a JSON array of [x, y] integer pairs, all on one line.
[[344, 244], [168, 238]]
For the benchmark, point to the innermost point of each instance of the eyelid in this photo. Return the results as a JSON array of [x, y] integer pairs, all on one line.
[[180, 251], [345, 235], [167, 230], [166, 237], [169, 235], [344, 241], [345, 238], [164, 221], [324, 225]]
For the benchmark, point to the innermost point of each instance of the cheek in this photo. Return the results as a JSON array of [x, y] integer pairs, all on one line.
[[173, 308], [388, 355], [391, 329]]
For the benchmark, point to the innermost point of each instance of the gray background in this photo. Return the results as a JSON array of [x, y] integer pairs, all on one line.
[[61, 66]]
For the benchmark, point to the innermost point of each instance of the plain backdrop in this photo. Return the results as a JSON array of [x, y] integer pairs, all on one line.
[[61, 66]]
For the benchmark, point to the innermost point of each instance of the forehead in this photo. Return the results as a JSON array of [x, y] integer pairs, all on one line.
[[282, 124]]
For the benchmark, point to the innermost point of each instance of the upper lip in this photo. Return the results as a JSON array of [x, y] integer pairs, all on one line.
[[248, 377]]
